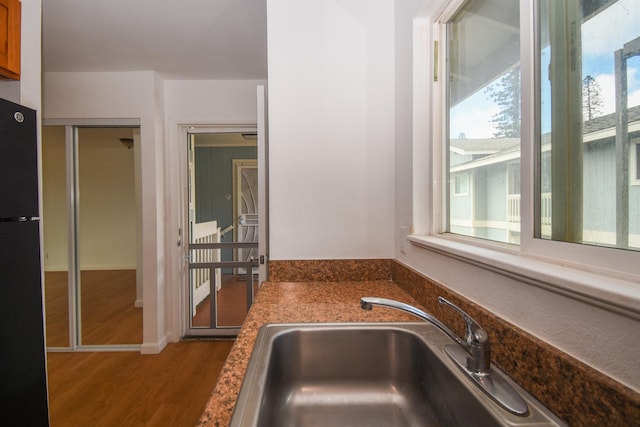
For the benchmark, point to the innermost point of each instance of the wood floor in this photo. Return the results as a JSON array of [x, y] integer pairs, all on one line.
[[231, 303], [108, 311], [122, 388], [129, 389]]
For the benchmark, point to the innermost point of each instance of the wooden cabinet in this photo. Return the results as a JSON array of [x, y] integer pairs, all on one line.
[[10, 15]]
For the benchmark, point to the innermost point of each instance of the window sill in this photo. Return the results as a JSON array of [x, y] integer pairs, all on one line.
[[613, 294]]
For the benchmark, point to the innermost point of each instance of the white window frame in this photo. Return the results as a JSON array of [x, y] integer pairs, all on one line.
[[634, 176], [458, 180], [604, 277]]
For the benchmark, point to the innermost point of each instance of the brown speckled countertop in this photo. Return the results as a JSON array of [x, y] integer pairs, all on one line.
[[290, 302], [330, 291]]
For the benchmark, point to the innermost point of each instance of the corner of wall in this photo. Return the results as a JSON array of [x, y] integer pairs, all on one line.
[[154, 347]]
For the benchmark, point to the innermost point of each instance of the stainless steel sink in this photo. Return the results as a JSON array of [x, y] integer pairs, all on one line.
[[373, 374]]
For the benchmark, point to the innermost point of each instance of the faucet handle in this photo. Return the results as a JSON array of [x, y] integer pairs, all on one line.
[[477, 341], [474, 334]]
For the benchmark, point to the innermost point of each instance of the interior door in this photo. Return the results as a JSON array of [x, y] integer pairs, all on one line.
[[222, 243], [241, 222], [263, 185], [91, 206]]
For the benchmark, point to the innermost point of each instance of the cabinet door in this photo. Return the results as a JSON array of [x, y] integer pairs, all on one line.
[[10, 15]]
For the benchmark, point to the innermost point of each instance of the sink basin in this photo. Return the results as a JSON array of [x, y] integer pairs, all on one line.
[[374, 374]]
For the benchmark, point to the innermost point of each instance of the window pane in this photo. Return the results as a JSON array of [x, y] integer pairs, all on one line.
[[590, 120], [636, 162], [484, 120]]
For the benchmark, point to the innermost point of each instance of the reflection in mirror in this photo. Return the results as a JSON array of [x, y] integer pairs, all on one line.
[[55, 235], [107, 237]]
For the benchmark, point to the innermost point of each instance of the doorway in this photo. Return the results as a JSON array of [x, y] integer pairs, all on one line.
[[222, 229], [90, 236]]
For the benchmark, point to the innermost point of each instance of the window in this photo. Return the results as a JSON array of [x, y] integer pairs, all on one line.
[[461, 185], [635, 162], [588, 83], [513, 200], [484, 118], [590, 113]]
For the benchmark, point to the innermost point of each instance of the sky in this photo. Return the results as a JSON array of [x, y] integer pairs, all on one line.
[[601, 36]]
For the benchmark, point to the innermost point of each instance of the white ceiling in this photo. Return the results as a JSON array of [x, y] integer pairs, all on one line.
[[190, 39]]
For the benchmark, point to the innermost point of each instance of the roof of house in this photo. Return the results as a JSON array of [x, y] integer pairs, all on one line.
[[490, 146], [609, 121], [496, 150], [483, 146]]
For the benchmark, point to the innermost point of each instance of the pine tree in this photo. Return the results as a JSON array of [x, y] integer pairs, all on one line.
[[506, 93], [591, 100]]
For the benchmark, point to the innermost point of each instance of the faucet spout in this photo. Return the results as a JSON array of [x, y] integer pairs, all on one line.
[[367, 303], [475, 348], [476, 342]]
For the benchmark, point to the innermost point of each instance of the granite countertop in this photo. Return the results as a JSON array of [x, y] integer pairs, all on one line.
[[299, 302]]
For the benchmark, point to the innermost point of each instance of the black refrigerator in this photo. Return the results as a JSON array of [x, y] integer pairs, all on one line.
[[23, 378]]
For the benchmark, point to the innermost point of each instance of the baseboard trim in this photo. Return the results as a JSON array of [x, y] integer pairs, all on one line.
[[90, 268], [154, 348]]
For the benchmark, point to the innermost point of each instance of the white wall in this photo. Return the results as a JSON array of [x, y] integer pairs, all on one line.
[[194, 102], [405, 25], [127, 95], [331, 128], [210, 102], [10, 90]]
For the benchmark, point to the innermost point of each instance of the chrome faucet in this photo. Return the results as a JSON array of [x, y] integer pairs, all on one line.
[[476, 342], [472, 355]]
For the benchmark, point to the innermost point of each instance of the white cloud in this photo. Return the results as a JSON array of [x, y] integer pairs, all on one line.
[[634, 98], [472, 117], [607, 85], [474, 122], [633, 76], [619, 23]]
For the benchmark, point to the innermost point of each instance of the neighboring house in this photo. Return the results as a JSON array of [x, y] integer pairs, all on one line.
[[482, 173], [480, 164]]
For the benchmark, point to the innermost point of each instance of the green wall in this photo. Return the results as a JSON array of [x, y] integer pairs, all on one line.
[[214, 182]]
